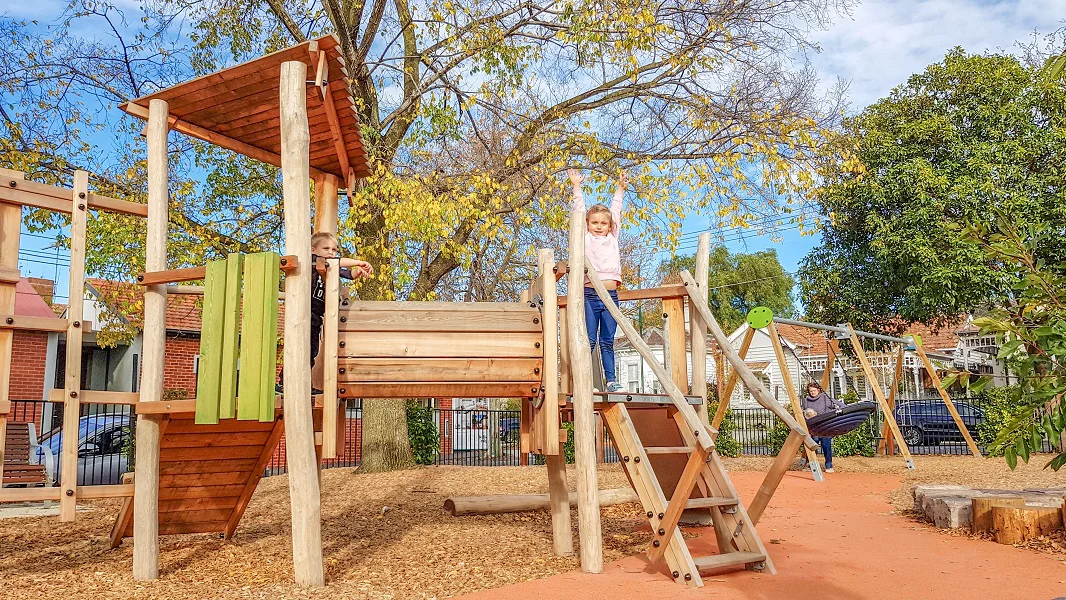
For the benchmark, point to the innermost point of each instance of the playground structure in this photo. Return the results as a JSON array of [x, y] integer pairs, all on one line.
[[761, 319], [198, 474]]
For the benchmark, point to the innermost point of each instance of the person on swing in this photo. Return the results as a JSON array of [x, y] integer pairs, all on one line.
[[815, 403]]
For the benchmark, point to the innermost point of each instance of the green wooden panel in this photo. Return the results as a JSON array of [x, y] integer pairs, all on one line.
[[272, 279], [252, 328], [230, 335], [208, 379]]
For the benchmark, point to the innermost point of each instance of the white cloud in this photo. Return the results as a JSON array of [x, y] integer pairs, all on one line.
[[884, 41]]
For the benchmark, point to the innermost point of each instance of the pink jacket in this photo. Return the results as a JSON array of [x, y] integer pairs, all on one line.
[[602, 252]]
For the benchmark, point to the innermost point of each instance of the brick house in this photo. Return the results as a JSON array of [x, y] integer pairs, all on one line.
[[32, 355]]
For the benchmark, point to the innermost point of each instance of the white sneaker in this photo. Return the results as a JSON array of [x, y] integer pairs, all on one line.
[[830, 470], [614, 387]]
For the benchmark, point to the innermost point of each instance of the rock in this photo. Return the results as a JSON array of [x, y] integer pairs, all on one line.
[[950, 512], [921, 491]]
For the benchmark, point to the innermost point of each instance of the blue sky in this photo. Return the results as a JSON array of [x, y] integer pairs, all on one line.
[[873, 49]]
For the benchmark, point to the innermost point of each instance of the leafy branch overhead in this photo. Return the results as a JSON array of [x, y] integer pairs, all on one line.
[[470, 110]]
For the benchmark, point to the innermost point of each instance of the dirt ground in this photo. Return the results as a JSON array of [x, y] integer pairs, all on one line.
[[387, 536]]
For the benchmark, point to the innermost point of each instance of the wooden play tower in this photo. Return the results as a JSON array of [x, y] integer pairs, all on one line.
[[292, 109]]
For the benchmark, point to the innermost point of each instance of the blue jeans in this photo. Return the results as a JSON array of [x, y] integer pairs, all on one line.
[[601, 326], [827, 450]]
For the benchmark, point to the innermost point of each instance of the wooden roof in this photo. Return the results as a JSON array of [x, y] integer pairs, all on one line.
[[237, 108]]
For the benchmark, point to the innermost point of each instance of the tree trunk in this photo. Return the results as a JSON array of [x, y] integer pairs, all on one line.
[[385, 443]]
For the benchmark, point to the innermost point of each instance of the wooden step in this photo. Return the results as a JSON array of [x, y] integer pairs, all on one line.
[[709, 502], [668, 449], [730, 559]]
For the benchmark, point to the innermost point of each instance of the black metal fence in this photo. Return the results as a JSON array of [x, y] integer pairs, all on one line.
[[925, 423], [105, 445], [469, 437]]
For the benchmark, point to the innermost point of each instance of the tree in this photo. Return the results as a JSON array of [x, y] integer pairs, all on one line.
[[739, 282], [469, 110], [969, 138]]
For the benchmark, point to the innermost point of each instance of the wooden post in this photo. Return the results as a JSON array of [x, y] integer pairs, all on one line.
[[887, 445], [675, 333], [947, 399], [10, 231], [793, 397], [562, 537], [299, 430], [550, 322], [727, 392], [330, 328], [758, 390], [153, 351], [830, 362], [784, 459], [326, 203], [879, 394], [68, 457], [698, 329], [588, 504]]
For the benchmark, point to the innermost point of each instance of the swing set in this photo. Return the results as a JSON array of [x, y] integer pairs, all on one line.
[[841, 421]]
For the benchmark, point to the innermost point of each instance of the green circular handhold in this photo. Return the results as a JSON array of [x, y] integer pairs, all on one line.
[[760, 317]]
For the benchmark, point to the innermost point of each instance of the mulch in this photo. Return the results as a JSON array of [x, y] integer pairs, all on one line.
[[385, 536]]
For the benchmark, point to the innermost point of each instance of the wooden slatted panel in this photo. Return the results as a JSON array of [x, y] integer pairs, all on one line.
[[439, 345], [227, 406], [446, 389], [205, 503], [441, 320], [269, 354], [241, 103], [440, 369], [215, 440], [206, 472], [210, 369]]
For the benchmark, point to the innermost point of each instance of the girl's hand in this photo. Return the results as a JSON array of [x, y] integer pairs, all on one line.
[[623, 179], [575, 177]]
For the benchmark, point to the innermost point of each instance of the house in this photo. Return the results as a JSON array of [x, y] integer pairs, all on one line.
[[33, 355], [806, 353]]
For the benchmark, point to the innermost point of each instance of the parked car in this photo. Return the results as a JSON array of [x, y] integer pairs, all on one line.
[[929, 422], [102, 441], [510, 430]]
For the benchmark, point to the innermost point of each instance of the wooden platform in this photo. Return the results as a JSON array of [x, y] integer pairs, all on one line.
[[635, 400], [207, 474]]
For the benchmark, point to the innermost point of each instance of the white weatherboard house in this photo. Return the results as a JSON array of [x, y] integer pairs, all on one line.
[[806, 353]]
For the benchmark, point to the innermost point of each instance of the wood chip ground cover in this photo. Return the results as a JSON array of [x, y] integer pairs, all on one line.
[[385, 535]]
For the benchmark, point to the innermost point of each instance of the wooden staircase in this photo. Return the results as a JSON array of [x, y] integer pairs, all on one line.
[[703, 475]]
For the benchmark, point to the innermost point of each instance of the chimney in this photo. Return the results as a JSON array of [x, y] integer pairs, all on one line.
[[45, 288]]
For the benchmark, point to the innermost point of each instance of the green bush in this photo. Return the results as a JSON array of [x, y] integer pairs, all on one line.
[[726, 443], [1000, 410], [857, 442], [422, 432], [568, 445], [775, 438]]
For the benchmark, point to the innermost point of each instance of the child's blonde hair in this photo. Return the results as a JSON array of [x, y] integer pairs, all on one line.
[[324, 235], [599, 208]]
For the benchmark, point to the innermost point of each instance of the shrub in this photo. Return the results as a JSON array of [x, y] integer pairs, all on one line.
[[726, 443], [775, 438], [857, 442], [422, 432], [1000, 410], [568, 445]]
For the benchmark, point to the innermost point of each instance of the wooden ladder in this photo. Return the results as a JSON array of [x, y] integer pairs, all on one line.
[[738, 542]]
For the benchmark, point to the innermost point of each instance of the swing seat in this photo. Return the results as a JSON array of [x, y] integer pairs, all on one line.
[[842, 420]]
